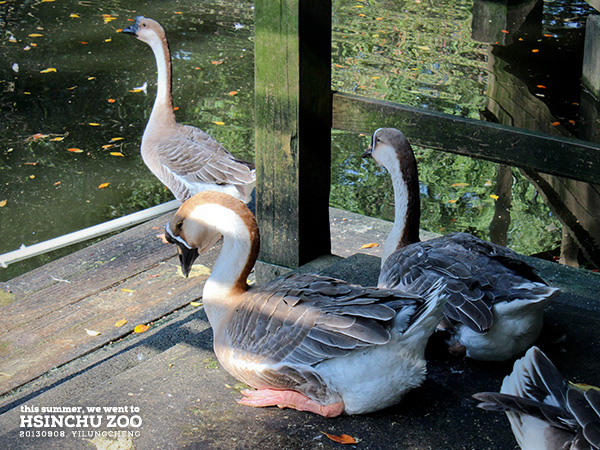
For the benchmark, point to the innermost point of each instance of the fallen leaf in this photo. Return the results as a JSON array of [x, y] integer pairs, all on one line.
[[91, 78], [125, 289], [32, 176], [108, 146], [232, 92], [103, 185], [423, 47], [48, 70], [93, 124], [111, 100], [141, 328], [555, 124], [120, 323], [219, 123], [3, 203], [92, 332], [57, 183], [216, 63], [494, 196], [535, 50], [343, 439], [117, 154], [504, 31], [459, 185], [370, 245], [116, 139], [83, 42], [541, 86], [108, 40], [195, 304], [74, 16], [75, 150], [452, 201], [57, 139], [35, 35]]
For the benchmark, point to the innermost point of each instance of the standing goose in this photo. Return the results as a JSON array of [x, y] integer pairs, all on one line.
[[494, 309], [184, 158], [304, 341], [543, 410]]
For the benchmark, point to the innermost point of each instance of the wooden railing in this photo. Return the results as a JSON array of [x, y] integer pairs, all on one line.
[[295, 109]]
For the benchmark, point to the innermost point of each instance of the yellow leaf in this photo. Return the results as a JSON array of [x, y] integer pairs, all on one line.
[[370, 245], [46, 1], [125, 289], [3, 203], [219, 123], [141, 328], [91, 78], [93, 124], [74, 16], [459, 185], [35, 35], [452, 201], [232, 92], [107, 40], [117, 139], [343, 439], [108, 146], [92, 332], [48, 70], [120, 323], [117, 154], [102, 186], [195, 304], [32, 176], [75, 150], [494, 196], [58, 138]]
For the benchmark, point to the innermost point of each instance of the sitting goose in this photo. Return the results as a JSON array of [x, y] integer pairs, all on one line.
[[184, 158], [307, 342], [543, 410], [494, 310]]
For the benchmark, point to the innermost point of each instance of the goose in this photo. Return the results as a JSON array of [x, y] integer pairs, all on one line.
[[543, 410], [494, 310], [184, 158], [304, 341]]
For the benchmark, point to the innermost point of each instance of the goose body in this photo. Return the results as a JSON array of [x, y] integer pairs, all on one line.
[[546, 413], [184, 158], [494, 308], [304, 341]]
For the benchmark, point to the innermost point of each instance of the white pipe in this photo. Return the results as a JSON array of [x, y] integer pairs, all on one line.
[[87, 233]]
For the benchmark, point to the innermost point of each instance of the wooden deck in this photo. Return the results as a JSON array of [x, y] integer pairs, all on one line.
[[187, 400]]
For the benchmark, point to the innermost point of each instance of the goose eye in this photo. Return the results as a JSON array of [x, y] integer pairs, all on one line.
[[179, 225], [378, 140]]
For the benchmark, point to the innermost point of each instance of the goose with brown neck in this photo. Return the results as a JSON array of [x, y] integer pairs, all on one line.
[[304, 341], [495, 303], [544, 411], [184, 158]]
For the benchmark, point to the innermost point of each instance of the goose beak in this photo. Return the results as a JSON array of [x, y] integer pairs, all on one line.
[[368, 152], [133, 29], [187, 254]]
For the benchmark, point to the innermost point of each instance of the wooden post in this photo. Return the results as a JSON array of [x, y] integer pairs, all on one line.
[[591, 55], [293, 129]]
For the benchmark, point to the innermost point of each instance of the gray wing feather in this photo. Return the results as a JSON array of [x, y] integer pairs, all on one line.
[[477, 274]]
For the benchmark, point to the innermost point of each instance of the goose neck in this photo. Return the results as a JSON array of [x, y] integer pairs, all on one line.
[[407, 211], [225, 287], [163, 103]]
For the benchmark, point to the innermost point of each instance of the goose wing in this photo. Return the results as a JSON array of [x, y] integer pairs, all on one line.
[[293, 324], [535, 388], [477, 274], [196, 157]]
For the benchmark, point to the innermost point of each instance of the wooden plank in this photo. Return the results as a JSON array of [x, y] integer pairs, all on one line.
[[293, 128], [131, 276], [570, 158]]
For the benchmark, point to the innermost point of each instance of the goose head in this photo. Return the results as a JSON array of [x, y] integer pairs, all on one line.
[[390, 147], [192, 233], [146, 30]]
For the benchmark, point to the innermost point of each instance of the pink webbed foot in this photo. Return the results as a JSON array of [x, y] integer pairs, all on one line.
[[289, 399]]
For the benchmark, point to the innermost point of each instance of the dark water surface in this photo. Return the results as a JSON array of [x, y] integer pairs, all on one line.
[[71, 119]]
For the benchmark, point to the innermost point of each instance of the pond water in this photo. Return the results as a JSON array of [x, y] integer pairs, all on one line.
[[72, 118]]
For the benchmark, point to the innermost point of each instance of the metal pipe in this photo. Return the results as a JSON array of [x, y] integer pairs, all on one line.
[[87, 233]]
